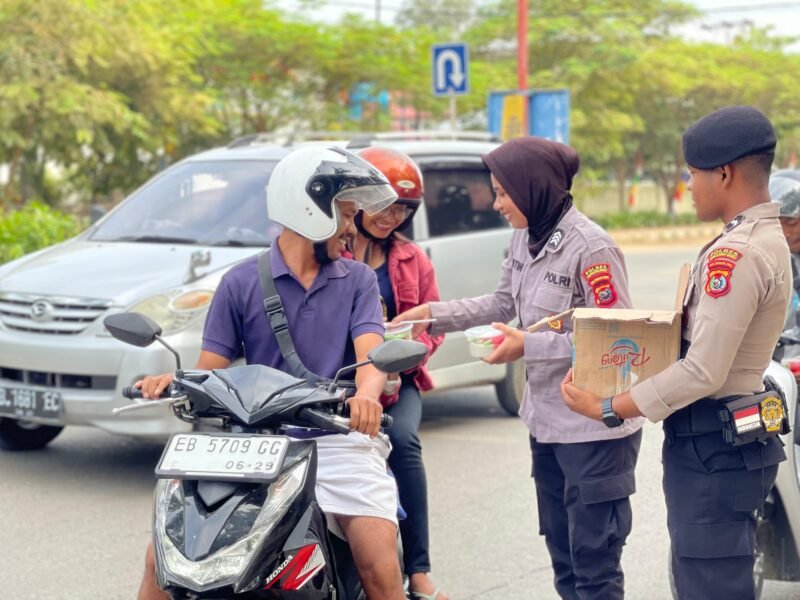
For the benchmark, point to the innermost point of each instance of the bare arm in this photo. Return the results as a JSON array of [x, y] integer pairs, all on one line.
[[153, 386], [365, 406]]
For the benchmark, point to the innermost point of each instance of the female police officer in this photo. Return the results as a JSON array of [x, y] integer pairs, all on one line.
[[558, 259], [734, 310]]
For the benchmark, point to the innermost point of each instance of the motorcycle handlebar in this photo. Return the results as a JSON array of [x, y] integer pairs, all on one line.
[[132, 392], [335, 423]]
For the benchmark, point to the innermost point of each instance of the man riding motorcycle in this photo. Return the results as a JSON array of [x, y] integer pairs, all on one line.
[[334, 317]]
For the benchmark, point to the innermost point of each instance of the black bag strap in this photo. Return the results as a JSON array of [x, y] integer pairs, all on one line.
[[273, 308]]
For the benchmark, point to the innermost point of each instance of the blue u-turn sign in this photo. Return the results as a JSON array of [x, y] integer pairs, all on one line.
[[450, 69]]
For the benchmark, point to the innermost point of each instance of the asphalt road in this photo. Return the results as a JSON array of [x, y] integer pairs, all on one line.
[[75, 518]]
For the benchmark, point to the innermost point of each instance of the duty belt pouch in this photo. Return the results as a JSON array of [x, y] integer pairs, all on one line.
[[754, 418]]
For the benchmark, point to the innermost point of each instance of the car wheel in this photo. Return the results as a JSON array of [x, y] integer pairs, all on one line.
[[510, 389], [24, 435]]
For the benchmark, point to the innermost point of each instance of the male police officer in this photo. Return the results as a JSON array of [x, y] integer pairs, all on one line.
[[734, 310]]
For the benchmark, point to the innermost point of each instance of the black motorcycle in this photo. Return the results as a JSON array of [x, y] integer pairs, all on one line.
[[235, 508]]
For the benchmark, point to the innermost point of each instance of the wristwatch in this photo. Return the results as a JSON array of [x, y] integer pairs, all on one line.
[[610, 418]]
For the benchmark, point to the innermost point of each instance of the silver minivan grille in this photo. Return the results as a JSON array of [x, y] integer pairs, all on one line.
[[58, 315]]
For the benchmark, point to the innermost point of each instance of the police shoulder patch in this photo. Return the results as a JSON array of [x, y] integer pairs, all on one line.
[[599, 278], [720, 264]]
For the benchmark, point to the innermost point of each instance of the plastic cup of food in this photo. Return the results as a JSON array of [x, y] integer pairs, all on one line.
[[483, 340], [793, 364], [397, 332]]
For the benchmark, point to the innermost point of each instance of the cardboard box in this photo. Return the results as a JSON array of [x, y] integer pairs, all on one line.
[[615, 349]]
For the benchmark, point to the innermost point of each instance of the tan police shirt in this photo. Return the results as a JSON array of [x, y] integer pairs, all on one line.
[[579, 266], [734, 311]]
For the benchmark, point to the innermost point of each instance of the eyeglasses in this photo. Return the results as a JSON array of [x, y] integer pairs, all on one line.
[[397, 211]]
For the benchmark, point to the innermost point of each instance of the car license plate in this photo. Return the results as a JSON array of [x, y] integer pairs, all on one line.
[[24, 403], [227, 456]]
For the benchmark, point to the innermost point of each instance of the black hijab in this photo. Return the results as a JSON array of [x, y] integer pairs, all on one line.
[[537, 174]]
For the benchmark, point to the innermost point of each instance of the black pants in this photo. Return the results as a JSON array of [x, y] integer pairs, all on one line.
[[583, 491], [712, 491], [405, 461]]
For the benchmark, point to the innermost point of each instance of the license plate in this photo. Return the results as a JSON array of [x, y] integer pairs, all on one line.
[[24, 403], [231, 456]]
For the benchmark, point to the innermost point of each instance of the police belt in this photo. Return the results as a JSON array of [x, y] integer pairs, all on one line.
[[740, 419]]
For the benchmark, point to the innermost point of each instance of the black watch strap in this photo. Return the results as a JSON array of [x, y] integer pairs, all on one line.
[[610, 418]]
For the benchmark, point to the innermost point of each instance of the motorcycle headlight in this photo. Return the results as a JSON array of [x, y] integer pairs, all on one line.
[[228, 562], [175, 312]]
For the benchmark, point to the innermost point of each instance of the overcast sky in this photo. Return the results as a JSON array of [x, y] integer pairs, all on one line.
[[721, 19]]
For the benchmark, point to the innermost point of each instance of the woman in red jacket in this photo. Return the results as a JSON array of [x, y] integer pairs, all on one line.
[[406, 279]]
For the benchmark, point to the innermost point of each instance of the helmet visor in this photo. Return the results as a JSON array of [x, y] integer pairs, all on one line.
[[369, 198], [786, 192]]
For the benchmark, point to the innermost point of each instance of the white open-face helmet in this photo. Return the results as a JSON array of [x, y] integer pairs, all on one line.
[[305, 184]]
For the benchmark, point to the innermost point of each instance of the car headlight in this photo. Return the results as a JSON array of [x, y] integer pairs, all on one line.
[[175, 312], [228, 562]]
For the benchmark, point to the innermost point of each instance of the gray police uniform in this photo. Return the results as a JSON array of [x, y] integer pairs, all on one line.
[[734, 309], [584, 471]]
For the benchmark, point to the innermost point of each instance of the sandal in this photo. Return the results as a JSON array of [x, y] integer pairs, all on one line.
[[423, 596]]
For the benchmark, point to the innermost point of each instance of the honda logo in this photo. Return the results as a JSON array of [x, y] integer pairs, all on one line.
[[41, 311]]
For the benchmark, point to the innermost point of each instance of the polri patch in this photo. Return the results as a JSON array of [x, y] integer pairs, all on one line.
[[720, 262], [599, 278], [558, 279]]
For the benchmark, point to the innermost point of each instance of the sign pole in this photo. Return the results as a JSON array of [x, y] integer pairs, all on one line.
[[522, 45], [452, 112]]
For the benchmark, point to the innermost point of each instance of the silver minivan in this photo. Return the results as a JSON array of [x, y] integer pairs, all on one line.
[[163, 251]]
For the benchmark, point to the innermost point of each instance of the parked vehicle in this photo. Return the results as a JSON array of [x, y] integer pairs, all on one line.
[[779, 526], [163, 251], [235, 509]]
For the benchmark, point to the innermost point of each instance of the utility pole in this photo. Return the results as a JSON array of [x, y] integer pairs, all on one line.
[[378, 11], [522, 45], [522, 63]]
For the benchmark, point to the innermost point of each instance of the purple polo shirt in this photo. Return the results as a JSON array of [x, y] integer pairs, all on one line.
[[342, 304]]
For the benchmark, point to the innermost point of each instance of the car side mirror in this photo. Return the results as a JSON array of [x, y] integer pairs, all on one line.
[[133, 328], [395, 356], [96, 212]]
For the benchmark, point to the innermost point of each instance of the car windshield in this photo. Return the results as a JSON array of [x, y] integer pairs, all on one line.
[[205, 203]]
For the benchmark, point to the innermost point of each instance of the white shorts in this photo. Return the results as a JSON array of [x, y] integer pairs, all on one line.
[[352, 477]]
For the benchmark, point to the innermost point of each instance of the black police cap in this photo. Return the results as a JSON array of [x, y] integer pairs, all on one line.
[[726, 135]]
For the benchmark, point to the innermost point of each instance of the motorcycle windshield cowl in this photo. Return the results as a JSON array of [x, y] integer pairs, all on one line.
[[253, 393]]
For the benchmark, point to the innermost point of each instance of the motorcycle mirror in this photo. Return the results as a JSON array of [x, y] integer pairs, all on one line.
[[395, 356], [133, 328], [137, 330]]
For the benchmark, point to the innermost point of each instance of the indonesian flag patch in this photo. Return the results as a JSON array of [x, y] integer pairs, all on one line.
[[721, 262], [599, 278], [747, 419]]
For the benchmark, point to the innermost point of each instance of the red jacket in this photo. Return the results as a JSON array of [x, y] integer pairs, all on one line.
[[413, 283]]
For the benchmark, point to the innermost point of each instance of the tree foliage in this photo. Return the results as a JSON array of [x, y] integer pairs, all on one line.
[[97, 95]]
